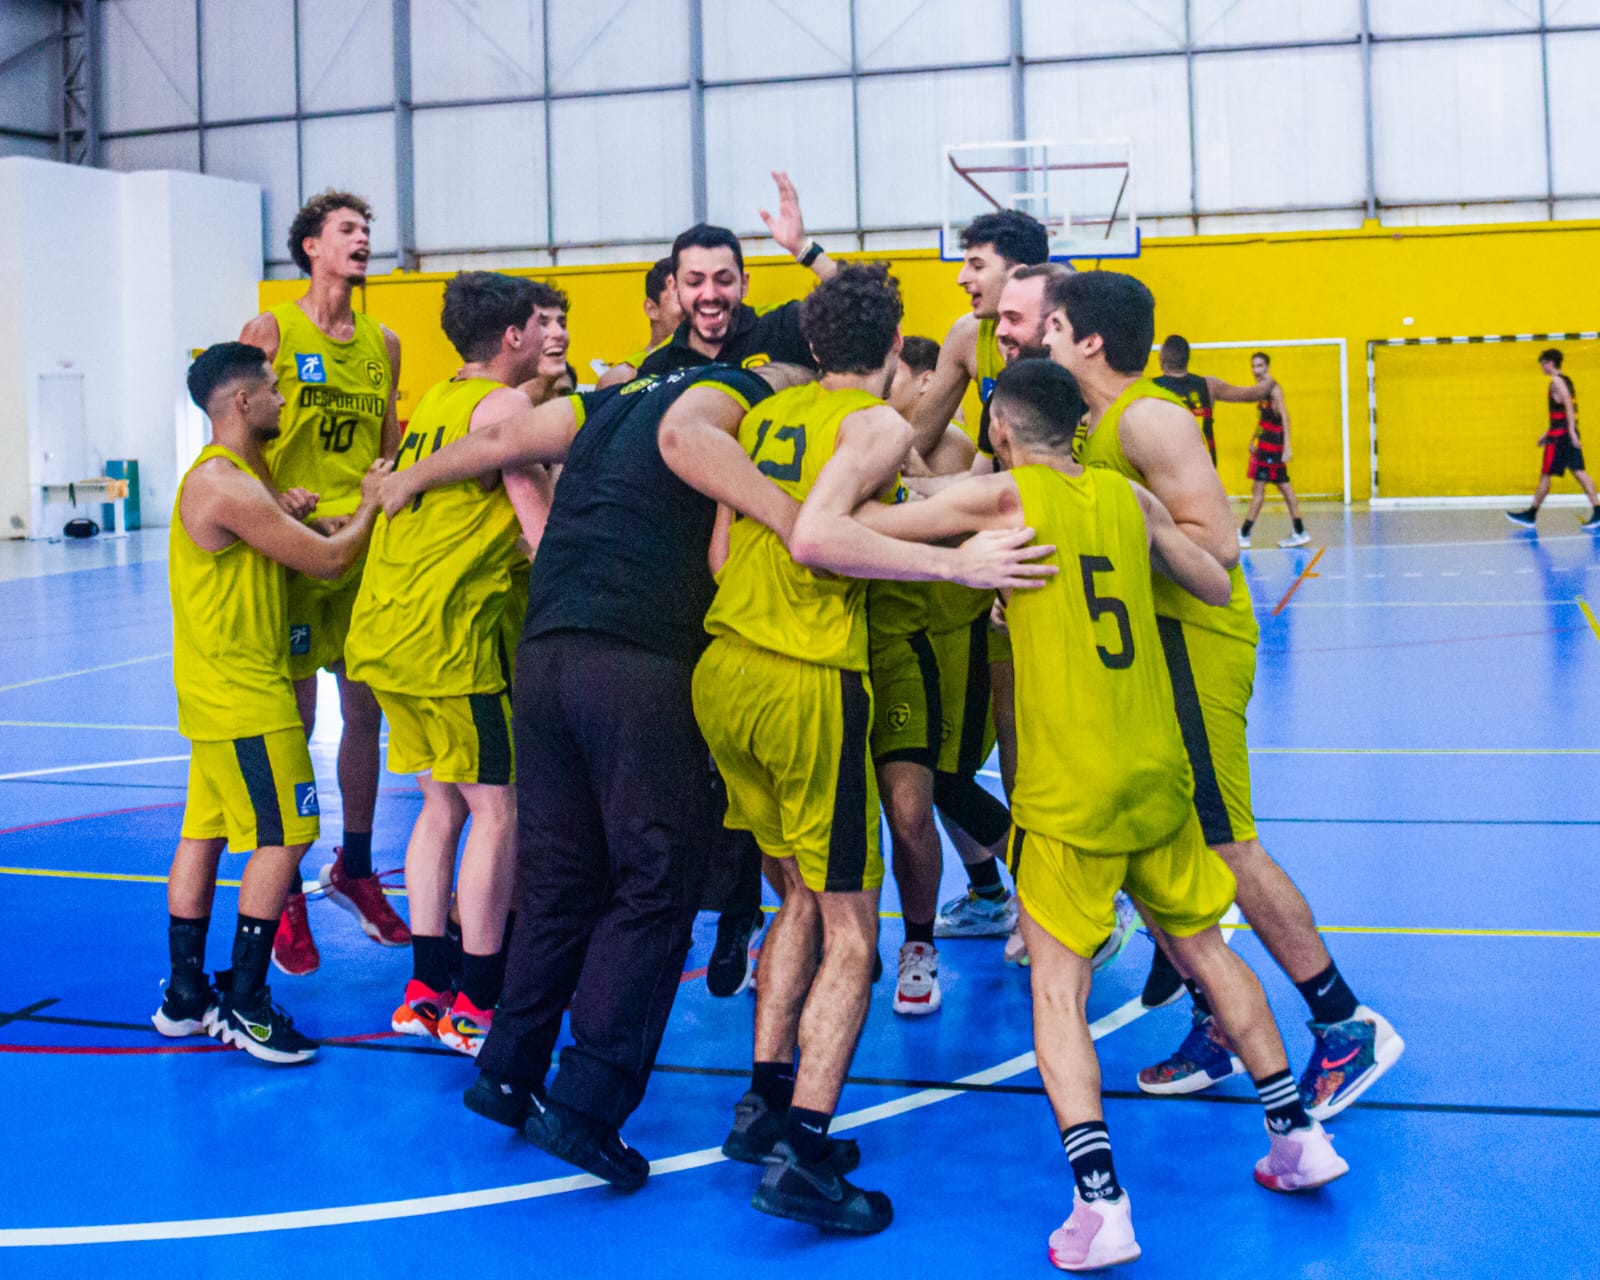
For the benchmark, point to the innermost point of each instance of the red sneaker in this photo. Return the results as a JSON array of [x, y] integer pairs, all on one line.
[[294, 951], [421, 1010], [363, 898]]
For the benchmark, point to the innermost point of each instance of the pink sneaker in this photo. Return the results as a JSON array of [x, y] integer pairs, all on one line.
[[1096, 1235], [294, 950], [1300, 1160]]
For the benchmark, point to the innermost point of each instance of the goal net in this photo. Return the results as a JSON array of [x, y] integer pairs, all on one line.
[[1313, 375], [1459, 418]]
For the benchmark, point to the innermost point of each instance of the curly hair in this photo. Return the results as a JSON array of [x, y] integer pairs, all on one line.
[[479, 306], [1014, 235], [850, 321], [308, 222]]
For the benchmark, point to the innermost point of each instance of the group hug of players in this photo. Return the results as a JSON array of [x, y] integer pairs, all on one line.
[[767, 538]]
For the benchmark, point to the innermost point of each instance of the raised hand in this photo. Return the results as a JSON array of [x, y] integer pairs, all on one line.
[[788, 228]]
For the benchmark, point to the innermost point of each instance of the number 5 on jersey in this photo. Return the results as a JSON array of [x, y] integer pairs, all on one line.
[[1099, 606]]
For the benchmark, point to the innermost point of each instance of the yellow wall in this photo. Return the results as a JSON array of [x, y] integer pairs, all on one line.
[[1356, 284]]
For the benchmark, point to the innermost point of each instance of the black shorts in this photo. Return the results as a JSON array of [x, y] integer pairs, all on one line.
[[1561, 456]]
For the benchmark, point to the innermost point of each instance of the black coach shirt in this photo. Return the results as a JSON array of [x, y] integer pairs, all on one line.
[[624, 550], [756, 336]]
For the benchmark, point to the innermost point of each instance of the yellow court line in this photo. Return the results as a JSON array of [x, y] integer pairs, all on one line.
[[87, 671], [1589, 614]]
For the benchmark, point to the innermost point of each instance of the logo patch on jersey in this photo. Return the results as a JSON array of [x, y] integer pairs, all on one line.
[[945, 730], [310, 368], [756, 361], [300, 638], [985, 389], [375, 373], [305, 799], [899, 715]]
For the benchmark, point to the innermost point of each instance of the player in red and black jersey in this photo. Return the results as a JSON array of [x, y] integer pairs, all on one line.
[[1200, 392], [1560, 448], [1269, 459]]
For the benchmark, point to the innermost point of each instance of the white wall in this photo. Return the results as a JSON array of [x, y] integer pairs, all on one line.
[[114, 277]]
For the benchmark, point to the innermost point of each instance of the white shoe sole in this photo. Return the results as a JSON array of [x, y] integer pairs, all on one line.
[[290, 973], [176, 1029], [344, 903], [1331, 1171], [1196, 1083], [227, 1035], [919, 1008], [1094, 1263], [1386, 1055]]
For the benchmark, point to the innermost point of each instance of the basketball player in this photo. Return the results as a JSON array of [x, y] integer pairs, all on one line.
[[1198, 391], [790, 734], [1269, 459], [661, 310], [1104, 790], [425, 636], [614, 784], [1563, 450], [1100, 329], [710, 282], [250, 781], [339, 371]]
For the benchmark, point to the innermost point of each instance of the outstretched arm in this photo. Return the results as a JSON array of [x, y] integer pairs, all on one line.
[[1221, 390], [699, 442], [531, 435], [1173, 555], [870, 447]]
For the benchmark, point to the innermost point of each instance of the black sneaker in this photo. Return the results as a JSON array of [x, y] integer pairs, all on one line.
[[1593, 522], [1524, 518], [877, 964], [757, 1130], [501, 1099], [818, 1195], [731, 968], [185, 1013], [1164, 985], [583, 1141], [262, 1029]]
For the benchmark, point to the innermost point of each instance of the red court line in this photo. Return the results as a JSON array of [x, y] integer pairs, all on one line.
[[1295, 585]]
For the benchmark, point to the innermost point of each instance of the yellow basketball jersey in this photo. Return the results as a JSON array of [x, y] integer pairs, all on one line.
[[427, 618], [896, 608], [763, 596], [331, 430], [990, 361], [230, 632], [1100, 760], [1101, 446]]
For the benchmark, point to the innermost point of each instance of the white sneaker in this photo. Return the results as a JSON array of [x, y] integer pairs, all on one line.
[[1120, 933], [970, 916], [1096, 1235], [1244, 542], [917, 992], [1016, 951], [1300, 1160], [1295, 539]]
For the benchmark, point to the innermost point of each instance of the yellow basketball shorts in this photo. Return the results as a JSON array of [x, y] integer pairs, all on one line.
[[464, 738], [1212, 678], [790, 740], [258, 793], [966, 734], [906, 690], [319, 620], [1072, 894], [516, 612]]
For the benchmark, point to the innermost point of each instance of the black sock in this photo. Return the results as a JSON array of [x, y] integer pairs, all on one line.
[[430, 961], [1088, 1146], [357, 854], [482, 977], [808, 1134], [1244, 529], [252, 952], [1201, 1004], [1299, 525], [774, 1083], [1327, 996], [1280, 1095], [984, 877], [186, 945], [919, 932]]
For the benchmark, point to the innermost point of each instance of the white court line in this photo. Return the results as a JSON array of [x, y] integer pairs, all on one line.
[[421, 1206], [64, 724], [87, 671], [82, 768]]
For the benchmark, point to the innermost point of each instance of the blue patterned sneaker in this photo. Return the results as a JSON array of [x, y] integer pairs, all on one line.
[[1127, 921], [1346, 1061], [1202, 1059], [970, 916]]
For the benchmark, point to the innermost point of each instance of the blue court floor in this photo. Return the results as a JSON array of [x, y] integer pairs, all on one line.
[[1425, 755]]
